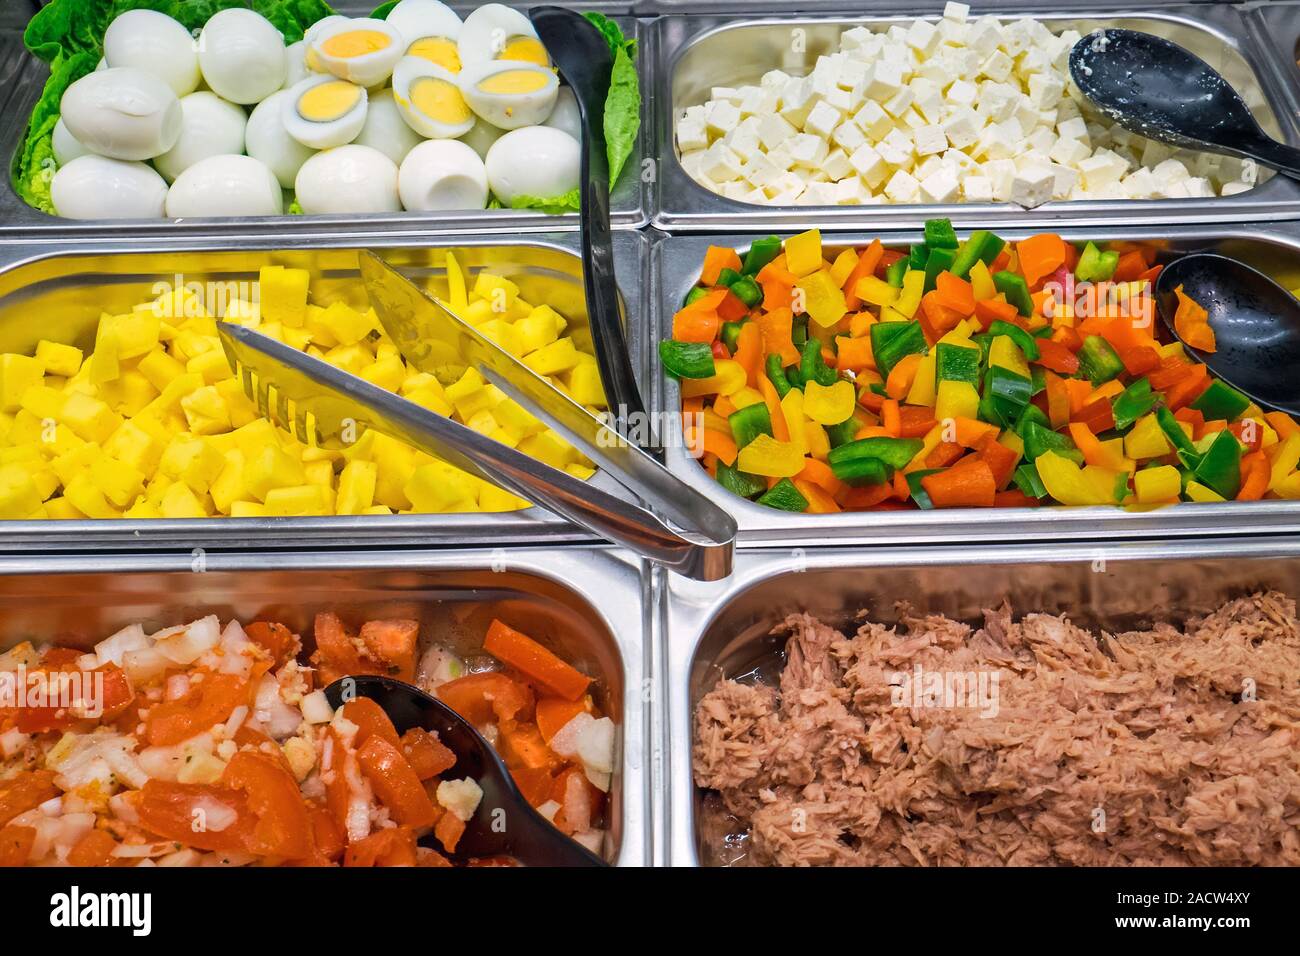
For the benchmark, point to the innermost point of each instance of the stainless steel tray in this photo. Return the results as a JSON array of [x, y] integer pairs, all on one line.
[[695, 53], [58, 289], [585, 600], [1276, 24], [708, 632], [1273, 249], [23, 76]]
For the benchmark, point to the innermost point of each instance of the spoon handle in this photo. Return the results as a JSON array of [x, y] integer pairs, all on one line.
[[1275, 155]]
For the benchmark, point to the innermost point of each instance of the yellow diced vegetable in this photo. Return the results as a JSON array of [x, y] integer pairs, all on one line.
[[57, 358], [803, 253], [829, 405], [1157, 484]]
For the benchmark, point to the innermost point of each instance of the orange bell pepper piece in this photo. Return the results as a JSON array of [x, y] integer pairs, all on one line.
[[955, 293], [717, 258], [967, 484], [901, 376], [1040, 256]]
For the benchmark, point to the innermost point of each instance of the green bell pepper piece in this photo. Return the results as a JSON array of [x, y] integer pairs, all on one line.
[[730, 334], [740, 482], [917, 490], [1026, 479], [1220, 466], [727, 277], [1026, 342], [1221, 402], [687, 359], [784, 496], [748, 291], [1173, 430], [776, 375], [861, 471], [1039, 440], [693, 293], [890, 341], [760, 253], [842, 433], [982, 246], [895, 271], [894, 452], [812, 368], [956, 363], [1132, 403], [749, 422], [1016, 290], [941, 260], [939, 234], [1098, 361]]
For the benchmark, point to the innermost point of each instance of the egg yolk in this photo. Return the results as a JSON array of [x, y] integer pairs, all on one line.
[[328, 101], [439, 100], [354, 43], [437, 50], [527, 49], [514, 81]]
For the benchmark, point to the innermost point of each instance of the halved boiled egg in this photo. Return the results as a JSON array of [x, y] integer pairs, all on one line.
[[323, 111], [510, 93], [497, 32], [360, 50], [430, 99], [430, 29]]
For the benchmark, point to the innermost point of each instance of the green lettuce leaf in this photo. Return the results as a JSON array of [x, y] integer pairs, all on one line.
[[553, 205], [69, 35], [622, 117]]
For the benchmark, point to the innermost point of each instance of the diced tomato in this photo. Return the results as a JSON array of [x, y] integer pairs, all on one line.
[[335, 757], [337, 654], [554, 712], [280, 642], [282, 827], [426, 753], [94, 849], [60, 658], [393, 846], [534, 783], [579, 801], [392, 642], [449, 829], [327, 838], [395, 784], [521, 745], [188, 812], [371, 721], [486, 697], [207, 703], [16, 845], [24, 791]]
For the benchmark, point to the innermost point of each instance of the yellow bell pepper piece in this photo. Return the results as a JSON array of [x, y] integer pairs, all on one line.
[[823, 299], [1069, 484], [876, 292], [771, 458], [829, 404], [982, 282], [1157, 484], [803, 253], [843, 267], [909, 299], [1199, 492], [58, 359], [792, 411], [728, 378], [922, 391], [1284, 461], [956, 400], [1146, 439], [1004, 353]]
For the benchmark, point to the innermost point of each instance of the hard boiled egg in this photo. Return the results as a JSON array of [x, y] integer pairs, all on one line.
[[267, 141], [360, 50], [430, 29], [385, 130], [225, 186], [534, 161], [122, 113], [430, 99], [209, 127], [66, 146], [348, 179], [95, 187], [509, 93], [296, 68], [323, 111], [497, 32], [481, 136], [242, 56], [566, 116], [442, 174], [154, 42]]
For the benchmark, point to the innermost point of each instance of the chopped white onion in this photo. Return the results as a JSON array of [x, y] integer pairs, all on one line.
[[178, 685], [123, 808], [596, 745], [143, 665], [269, 708], [216, 815], [187, 645], [186, 857], [87, 662], [549, 809], [112, 649], [138, 851], [237, 717], [316, 708], [566, 740], [12, 741]]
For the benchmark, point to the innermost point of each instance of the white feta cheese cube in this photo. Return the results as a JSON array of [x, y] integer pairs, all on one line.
[[940, 187], [1073, 128], [855, 38], [869, 164], [775, 80], [1033, 186], [848, 136], [852, 72], [785, 184], [953, 33], [1033, 61], [850, 192], [1198, 187], [957, 12], [760, 171], [692, 162], [1041, 139], [736, 189], [900, 102], [874, 121], [722, 117], [928, 167], [773, 131], [1235, 188], [1046, 89], [1100, 169], [842, 99], [822, 120], [923, 37], [929, 140], [985, 35], [1069, 152], [836, 165], [797, 100], [963, 127], [691, 135], [780, 157], [903, 188], [720, 163], [1171, 171], [808, 150], [818, 194], [883, 81], [977, 189], [728, 93], [695, 113], [1139, 184], [1001, 172], [962, 93], [756, 101], [743, 140], [1067, 177]]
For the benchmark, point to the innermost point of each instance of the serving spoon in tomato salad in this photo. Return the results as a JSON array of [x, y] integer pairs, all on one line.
[[504, 825]]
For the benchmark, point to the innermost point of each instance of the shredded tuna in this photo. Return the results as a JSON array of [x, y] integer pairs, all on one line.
[[1168, 746]]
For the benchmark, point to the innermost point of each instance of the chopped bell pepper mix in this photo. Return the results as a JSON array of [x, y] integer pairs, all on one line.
[[970, 372], [117, 755]]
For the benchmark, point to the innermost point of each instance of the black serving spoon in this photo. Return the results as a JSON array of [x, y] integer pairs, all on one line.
[[504, 823], [584, 60], [1159, 90], [1256, 325]]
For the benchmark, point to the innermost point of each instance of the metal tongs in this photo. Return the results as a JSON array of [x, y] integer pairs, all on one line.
[[316, 401]]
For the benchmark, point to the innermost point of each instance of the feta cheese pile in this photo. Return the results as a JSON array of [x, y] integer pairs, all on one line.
[[959, 111]]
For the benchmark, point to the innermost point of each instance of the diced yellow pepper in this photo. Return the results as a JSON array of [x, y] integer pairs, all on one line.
[[728, 378], [121, 483], [1199, 492], [1004, 353], [803, 253], [1157, 484], [18, 494], [439, 487], [229, 486], [823, 300], [1284, 461], [1069, 484], [499, 292], [43, 401], [88, 499], [909, 299], [385, 373], [160, 369], [771, 458], [829, 405], [585, 385], [956, 400], [816, 441], [550, 448], [179, 501], [300, 501], [877, 292], [90, 418], [559, 356], [922, 391], [843, 266], [981, 282], [269, 468], [57, 358]]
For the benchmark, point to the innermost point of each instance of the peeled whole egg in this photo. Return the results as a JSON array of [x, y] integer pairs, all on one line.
[[348, 179], [242, 56], [66, 146], [122, 113], [225, 186], [535, 161], [296, 68], [385, 130], [154, 42], [442, 174], [481, 137], [266, 140], [323, 111], [430, 99], [509, 93], [209, 127], [497, 32], [95, 187], [430, 29], [566, 117], [360, 50]]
